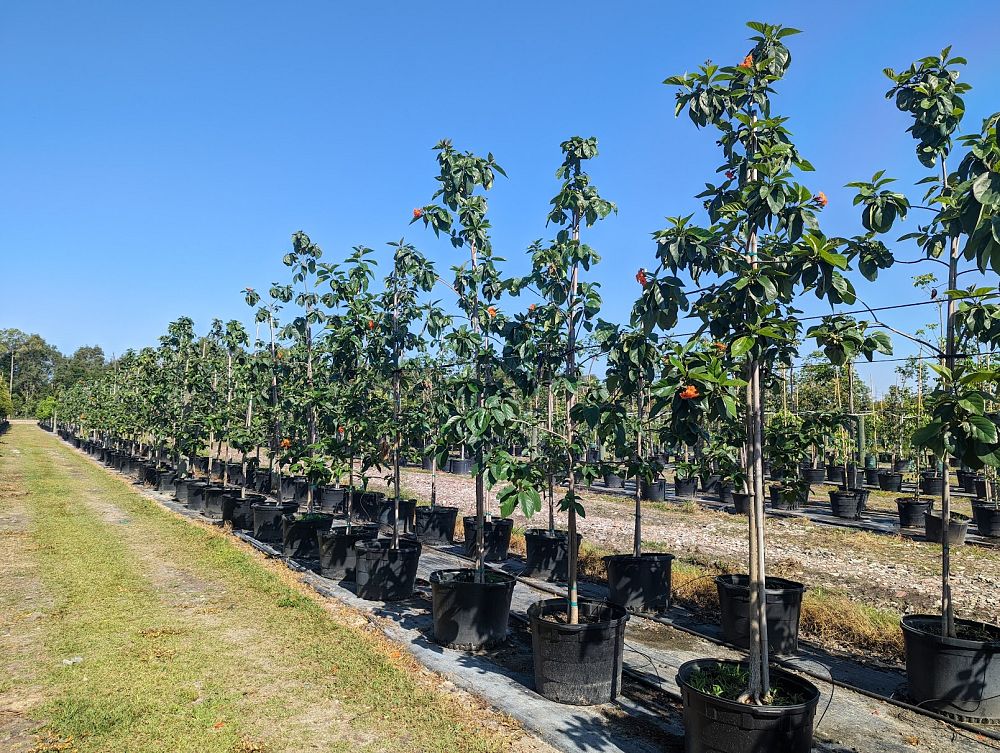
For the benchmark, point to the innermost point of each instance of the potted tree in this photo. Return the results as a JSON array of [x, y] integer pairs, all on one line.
[[950, 662]]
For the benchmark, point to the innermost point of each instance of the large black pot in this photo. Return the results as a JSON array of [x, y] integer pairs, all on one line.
[[435, 525], [238, 510], [427, 463], [686, 487], [786, 499], [578, 664], [847, 504], [331, 499], [387, 514], [384, 573], [741, 503], [967, 480], [267, 520], [640, 584], [718, 725], [338, 555], [902, 466], [710, 482], [614, 481], [165, 480], [212, 494], [182, 487], [725, 490], [890, 481], [871, 476], [932, 484], [196, 495], [366, 505], [987, 519], [299, 535], [460, 466], [784, 603], [496, 537], [814, 475], [911, 511], [981, 487], [654, 491], [835, 474], [957, 528], [470, 615], [547, 555], [956, 676]]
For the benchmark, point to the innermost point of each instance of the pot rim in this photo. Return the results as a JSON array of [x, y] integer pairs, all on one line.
[[537, 612], [906, 624], [502, 579], [792, 585], [690, 666], [643, 556]]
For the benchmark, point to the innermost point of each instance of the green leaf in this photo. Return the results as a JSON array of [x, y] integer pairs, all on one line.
[[741, 346]]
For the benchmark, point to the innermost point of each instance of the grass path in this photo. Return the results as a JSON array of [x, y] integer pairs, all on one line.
[[186, 640]]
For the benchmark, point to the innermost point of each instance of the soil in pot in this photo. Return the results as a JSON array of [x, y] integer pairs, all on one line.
[[987, 519], [384, 573], [640, 584], [470, 615], [496, 537], [299, 534], [890, 482], [686, 487], [911, 511], [338, 554], [957, 676], [267, 520], [784, 603], [957, 528], [654, 491], [578, 664], [435, 525], [715, 721], [547, 555]]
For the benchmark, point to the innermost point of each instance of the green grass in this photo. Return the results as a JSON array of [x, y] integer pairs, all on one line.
[[191, 643]]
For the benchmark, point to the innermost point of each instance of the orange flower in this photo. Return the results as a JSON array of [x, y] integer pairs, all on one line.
[[340, 429], [418, 213], [286, 443], [821, 199], [689, 393], [747, 62], [730, 174], [641, 278], [531, 307], [719, 346], [371, 324], [492, 311]]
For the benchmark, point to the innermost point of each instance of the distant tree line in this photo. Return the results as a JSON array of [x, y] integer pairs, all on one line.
[[34, 372]]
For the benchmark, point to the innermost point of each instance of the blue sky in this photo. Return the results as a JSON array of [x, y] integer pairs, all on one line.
[[158, 156]]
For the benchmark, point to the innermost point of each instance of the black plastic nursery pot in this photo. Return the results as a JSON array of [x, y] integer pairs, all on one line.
[[467, 614], [814, 475], [725, 491], [890, 481], [212, 494], [871, 476], [435, 525], [196, 495], [932, 484], [578, 664], [686, 487], [981, 487], [427, 463], [783, 605], [366, 505], [835, 474], [299, 535], [496, 537], [387, 514], [547, 556], [957, 528], [911, 511], [267, 520], [238, 510], [719, 725], [614, 481], [332, 499], [710, 482], [987, 519], [338, 556], [165, 480], [301, 490], [460, 466], [902, 466], [654, 491], [741, 503], [640, 584], [782, 499], [182, 487], [847, 504], [954, 676], [384, 573]]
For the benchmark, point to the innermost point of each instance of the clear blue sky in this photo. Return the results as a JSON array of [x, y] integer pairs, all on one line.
[[156, 157]]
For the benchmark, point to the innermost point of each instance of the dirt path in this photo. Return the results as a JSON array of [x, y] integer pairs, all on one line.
[[176, 638], [876, 570]]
